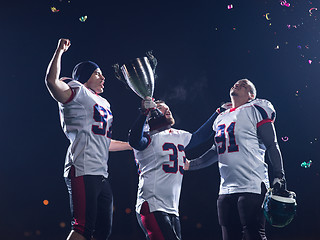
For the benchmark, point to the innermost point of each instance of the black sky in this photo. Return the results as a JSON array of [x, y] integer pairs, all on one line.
[[202, 49]]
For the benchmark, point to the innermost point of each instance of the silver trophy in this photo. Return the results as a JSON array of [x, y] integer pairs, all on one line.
[[139, 76]]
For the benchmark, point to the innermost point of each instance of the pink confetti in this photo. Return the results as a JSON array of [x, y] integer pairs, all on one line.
[[285, 138], [285, 3], [310, 61], [311, 9], [230, 6]]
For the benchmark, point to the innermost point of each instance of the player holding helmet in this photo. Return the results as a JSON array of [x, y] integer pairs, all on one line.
[[243, 134]]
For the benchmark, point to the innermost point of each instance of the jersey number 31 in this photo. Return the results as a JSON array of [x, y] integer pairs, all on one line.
[[221, 138]]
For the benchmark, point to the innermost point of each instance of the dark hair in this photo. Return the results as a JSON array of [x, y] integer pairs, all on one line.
[[159, 101]]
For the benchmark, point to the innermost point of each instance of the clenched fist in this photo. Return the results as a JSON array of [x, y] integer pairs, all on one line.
[[63, 44]]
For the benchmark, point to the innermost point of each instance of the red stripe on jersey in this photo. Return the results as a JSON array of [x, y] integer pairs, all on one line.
[[78, 201], [149, 139], [71, 96], [263, 122], [233, 109], [150, 223]]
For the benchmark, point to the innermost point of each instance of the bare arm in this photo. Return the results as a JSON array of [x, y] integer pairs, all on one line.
[[58, 89], [116, 146]]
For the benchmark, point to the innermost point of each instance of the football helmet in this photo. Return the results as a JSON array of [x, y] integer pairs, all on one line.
[[279, 210]]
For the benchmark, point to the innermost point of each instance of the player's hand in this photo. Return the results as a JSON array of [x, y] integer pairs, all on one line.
[[148, 104], [280, 186], [224, 107], [64, 44], [186, 165]]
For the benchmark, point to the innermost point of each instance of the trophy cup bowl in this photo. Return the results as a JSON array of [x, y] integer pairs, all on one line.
[[139, 76]]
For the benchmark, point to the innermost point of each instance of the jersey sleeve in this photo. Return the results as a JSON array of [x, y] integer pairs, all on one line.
[[138, 139], [203, 134], [186, 136], [206, 160], [263, 112], [75, 87]]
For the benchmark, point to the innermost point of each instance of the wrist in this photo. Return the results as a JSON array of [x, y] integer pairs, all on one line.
[[144, 111], [59, 51]]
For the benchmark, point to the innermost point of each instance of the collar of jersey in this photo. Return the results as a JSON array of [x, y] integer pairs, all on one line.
[[159, 130]]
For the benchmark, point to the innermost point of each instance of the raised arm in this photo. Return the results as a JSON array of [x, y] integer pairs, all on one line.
[[136, 138], [58, 89], [204, 135]]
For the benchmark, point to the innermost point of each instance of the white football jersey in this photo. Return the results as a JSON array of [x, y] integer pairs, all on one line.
[[86, 120], [240, 151], [161, 170]]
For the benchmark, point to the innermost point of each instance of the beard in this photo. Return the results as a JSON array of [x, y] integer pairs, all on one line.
[[160, 122], [170, 121]]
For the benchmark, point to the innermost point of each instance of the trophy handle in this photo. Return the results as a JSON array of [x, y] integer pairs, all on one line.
[[153, 60], [117, 71]]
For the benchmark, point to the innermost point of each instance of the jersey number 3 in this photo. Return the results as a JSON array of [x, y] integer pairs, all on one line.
[[100, 115], [173, 158], [221, 138]]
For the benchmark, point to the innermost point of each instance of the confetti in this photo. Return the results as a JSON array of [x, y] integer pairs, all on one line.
[[312, 9], [54, 10], [230, 6], [83, 18], [285, 138], [306, 164], [285, 3], [309, 61], [267, 16]]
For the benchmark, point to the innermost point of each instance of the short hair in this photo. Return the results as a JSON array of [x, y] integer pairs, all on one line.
[[159, 101], [253, 89]]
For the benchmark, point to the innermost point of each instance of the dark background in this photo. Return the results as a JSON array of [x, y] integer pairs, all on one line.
[[202, 49]]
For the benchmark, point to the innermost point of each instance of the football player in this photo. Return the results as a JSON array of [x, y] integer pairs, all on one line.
[[160, 157], [243, 134], [86, 120]]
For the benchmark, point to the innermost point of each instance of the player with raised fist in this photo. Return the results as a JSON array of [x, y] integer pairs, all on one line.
[[86, 120]]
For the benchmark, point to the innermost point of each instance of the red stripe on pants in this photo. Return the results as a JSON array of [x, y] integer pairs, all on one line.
[[79, 202], [150, 223]]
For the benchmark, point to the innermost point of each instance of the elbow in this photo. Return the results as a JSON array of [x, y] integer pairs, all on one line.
[[132, 141], [49, 82]]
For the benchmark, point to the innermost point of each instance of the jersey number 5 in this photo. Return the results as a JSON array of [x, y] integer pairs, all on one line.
[[221, 138], [100, 115], [173, 158]]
